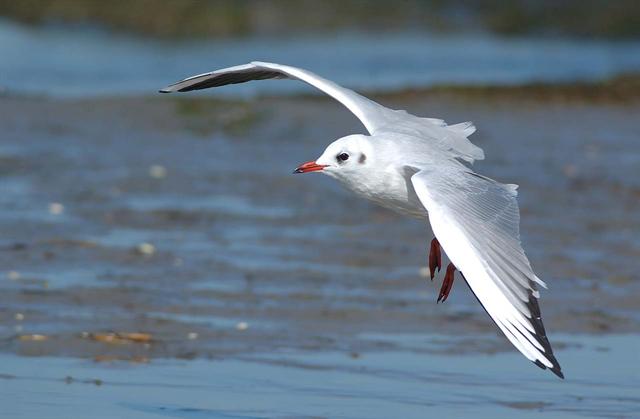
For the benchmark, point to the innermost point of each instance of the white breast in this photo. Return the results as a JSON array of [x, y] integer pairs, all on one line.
[[388, 188]]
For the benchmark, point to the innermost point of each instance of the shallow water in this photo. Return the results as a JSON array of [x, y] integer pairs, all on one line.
[[81, 62], [415, 379], [269, 294]]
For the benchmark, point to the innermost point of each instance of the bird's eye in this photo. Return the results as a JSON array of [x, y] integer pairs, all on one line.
[[343, 157]]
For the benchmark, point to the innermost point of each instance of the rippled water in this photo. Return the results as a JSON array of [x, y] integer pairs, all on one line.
[[408, 381], [82, 62], [265, 294]]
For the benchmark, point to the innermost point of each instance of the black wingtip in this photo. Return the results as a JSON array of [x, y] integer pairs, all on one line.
[[557, 372], [555, 369], [165, 90]]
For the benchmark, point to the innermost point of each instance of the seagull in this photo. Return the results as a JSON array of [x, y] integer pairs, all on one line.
[[420, 167]]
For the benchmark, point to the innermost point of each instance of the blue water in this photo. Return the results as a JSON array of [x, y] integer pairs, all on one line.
[[298, 260], [85, 62], [403, 383]]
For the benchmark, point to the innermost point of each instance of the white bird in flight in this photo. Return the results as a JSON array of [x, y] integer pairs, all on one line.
[[420, 167]]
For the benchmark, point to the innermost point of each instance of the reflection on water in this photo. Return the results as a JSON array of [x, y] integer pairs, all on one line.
[[67, 62]]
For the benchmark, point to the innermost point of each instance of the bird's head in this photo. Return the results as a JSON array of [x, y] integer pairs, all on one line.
[[342, 158]]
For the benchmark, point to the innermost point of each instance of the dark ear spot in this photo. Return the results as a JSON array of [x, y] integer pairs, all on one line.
[[362, 158]]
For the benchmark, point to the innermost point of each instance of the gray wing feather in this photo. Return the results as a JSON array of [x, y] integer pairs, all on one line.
[[375, 117], [476, 220], [370, 113]]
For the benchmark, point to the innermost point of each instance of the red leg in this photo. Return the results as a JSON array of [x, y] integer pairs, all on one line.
[[435, 257], [447, 283]]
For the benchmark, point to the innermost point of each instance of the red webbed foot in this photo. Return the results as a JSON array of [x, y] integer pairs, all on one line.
[[435, 257], [447, 283]]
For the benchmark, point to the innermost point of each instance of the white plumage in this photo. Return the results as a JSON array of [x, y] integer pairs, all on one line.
[[418, 166]]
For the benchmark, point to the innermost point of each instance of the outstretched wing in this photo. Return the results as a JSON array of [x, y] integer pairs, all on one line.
[[375, 117], [370, 113], [476, 221]]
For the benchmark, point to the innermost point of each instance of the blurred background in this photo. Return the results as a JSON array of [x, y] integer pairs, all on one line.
[[157, 257]]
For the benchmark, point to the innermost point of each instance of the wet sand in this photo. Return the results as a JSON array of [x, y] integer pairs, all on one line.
[[179, 219]]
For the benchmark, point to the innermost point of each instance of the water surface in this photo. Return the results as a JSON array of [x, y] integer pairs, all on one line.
[[260, 293], [84, 62], [411, 381]]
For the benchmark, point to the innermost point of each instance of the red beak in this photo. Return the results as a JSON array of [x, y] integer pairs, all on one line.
[[309, 166]]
